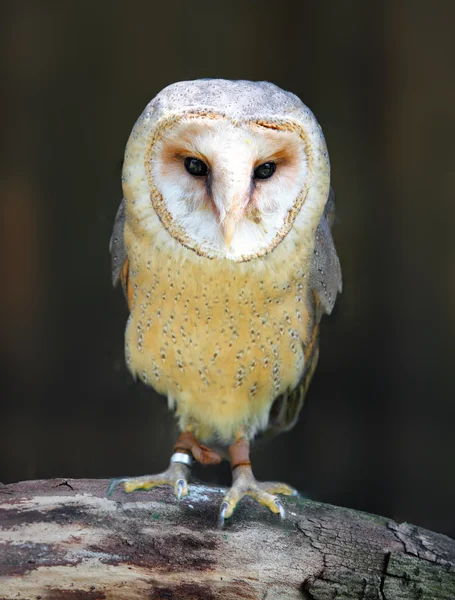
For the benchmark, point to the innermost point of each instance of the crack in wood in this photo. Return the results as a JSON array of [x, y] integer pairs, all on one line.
[[384, 575]]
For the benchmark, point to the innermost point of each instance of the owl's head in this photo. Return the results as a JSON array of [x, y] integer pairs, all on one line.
[[227, 167]]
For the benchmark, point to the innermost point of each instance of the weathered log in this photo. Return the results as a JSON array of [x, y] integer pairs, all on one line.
[[64, 539]]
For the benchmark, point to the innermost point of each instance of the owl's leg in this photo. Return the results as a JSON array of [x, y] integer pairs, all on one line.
[[186, 449], [245, 484]]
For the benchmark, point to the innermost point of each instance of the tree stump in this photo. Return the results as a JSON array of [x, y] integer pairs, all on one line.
[[64, 539]]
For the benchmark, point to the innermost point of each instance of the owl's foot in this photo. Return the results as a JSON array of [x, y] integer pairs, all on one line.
[[176, 476], [245, 484], [186, 449]]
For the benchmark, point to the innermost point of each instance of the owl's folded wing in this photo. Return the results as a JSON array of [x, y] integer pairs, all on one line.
[[119, 259], [325, 283], [325, 272]]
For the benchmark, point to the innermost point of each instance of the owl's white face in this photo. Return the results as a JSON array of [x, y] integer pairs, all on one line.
[[226, 189]]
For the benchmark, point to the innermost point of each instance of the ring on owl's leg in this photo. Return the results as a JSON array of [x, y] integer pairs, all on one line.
[[245, 484]]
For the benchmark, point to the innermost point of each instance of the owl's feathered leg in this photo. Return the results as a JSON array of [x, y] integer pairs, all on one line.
[[176, 475], [245, 484]]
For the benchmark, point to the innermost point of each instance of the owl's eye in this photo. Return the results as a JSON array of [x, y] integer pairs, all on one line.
[[265, 170], [196, 167]]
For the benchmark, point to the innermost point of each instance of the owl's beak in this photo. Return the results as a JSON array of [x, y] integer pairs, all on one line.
[[229, 224]]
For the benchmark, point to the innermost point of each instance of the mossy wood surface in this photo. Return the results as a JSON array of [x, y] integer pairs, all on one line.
[[64, 539]]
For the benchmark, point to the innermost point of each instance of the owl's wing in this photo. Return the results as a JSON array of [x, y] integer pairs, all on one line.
[[325, 272], [119, 258], [325, 283]]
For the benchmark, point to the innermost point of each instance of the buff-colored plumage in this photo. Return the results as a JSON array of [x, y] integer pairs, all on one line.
[[226, 280]]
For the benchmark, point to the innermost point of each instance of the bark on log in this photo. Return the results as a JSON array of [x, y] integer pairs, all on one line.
[[64, 539]]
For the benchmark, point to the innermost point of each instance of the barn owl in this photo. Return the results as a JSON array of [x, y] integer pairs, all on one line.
[[223, 246]]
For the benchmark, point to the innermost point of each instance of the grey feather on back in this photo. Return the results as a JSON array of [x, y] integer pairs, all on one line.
[[325, 272], [117, 244]]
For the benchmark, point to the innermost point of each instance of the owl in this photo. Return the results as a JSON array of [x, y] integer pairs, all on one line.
[[224, 250]]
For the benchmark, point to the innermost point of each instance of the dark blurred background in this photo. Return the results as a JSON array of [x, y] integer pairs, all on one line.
[[377, 430]]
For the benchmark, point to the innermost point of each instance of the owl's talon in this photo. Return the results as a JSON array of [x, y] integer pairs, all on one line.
[[280, 509], [222, 514], [113, 484], [181, 485]]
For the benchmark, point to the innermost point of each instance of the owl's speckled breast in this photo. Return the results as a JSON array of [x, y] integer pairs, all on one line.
[[221, 341]]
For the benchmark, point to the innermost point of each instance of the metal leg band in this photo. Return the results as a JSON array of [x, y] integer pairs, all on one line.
[[182, 457]]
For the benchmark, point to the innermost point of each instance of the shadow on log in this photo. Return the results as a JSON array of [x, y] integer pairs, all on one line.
[[64, 539]]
